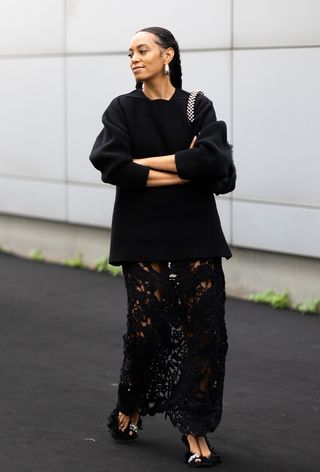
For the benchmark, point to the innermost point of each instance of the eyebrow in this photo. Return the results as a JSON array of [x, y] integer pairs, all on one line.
[[139, 46]]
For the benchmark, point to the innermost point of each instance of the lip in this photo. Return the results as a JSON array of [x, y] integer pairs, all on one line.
[[136, 68]]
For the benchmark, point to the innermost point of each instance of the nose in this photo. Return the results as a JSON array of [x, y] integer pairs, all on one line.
[[134, 57]]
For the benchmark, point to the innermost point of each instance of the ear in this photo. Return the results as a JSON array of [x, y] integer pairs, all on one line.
[[168, 55]]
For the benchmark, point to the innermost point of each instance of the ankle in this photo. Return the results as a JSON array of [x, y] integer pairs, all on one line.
[[193, 443]]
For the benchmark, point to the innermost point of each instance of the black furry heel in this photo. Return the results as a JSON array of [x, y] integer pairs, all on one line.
[[131, 431]]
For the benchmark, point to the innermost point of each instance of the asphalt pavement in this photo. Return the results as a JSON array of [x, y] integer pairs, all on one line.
[[61, 351]]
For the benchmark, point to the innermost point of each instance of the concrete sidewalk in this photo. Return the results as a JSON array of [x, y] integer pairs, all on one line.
[[61, 351]]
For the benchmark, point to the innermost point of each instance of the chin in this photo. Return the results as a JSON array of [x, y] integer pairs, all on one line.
[[141, 77]]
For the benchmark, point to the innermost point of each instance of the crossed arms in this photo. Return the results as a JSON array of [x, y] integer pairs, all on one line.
[[204, 161], [163, 169]]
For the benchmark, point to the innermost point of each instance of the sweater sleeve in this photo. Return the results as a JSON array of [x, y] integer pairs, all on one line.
[[111, 152], [209, 158]]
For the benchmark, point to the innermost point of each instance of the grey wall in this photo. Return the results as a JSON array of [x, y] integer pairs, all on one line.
[[61, 62]]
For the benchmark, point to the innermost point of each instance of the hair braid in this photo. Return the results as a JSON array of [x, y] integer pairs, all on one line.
[[167, 40]]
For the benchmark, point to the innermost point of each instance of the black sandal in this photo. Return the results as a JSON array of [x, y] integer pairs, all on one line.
[[191, 458], [131, 431], [214, 457]]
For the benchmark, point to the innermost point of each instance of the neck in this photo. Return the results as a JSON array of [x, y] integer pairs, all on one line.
[[162, 88]]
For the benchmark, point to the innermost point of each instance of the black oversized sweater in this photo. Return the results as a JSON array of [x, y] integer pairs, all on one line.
[[168, 222]]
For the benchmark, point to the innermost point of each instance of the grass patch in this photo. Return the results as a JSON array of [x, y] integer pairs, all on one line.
[[75, 262], [312, 305], [272, 298], [36, 255], [102, 265]]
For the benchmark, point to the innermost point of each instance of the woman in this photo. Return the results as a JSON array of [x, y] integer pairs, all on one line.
[[167, 236]]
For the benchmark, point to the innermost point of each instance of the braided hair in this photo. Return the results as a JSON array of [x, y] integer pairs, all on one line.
[[165, 39]]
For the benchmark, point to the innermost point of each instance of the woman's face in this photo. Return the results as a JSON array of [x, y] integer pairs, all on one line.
[[147, 58]]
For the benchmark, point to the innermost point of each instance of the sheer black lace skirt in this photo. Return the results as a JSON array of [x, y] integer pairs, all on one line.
[[176, 342]]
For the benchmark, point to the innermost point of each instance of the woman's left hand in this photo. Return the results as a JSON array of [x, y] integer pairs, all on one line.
[[193, 142]]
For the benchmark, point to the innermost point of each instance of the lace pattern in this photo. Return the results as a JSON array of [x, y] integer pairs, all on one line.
[[176, 342]]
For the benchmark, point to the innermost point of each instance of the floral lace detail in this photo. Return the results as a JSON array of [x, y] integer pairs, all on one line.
[[176, 342]]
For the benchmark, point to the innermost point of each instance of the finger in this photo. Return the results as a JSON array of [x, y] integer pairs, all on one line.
[[193, 142]]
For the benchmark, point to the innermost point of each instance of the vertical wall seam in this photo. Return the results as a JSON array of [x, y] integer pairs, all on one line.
[[65, 108], [232, 107]]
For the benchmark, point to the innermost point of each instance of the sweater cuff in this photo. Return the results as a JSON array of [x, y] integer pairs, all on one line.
[[187, 163], [135, 176]]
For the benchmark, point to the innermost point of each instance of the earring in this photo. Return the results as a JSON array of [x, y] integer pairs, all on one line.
[[166, 69]]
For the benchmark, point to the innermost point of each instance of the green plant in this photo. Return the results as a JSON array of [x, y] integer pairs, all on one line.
[[312, 305], [270, 297], [113, 270], [36, 255], [1, 249], [76, 262], [103, 266]]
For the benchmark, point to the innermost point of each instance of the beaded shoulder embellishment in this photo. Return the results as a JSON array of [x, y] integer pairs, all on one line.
[[190, 104]]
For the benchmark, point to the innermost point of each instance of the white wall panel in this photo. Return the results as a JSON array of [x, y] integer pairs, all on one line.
[[276, 23], [277, 228], [210, 71], [90, 205], [97, 25], [33, 26], [92, 83], [27, 197], [276, 125], [273, 120], [32, 117]]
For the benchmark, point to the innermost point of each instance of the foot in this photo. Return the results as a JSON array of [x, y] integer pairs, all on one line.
[[194, 447], [202, 444], [208, 453], [124, 420]]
